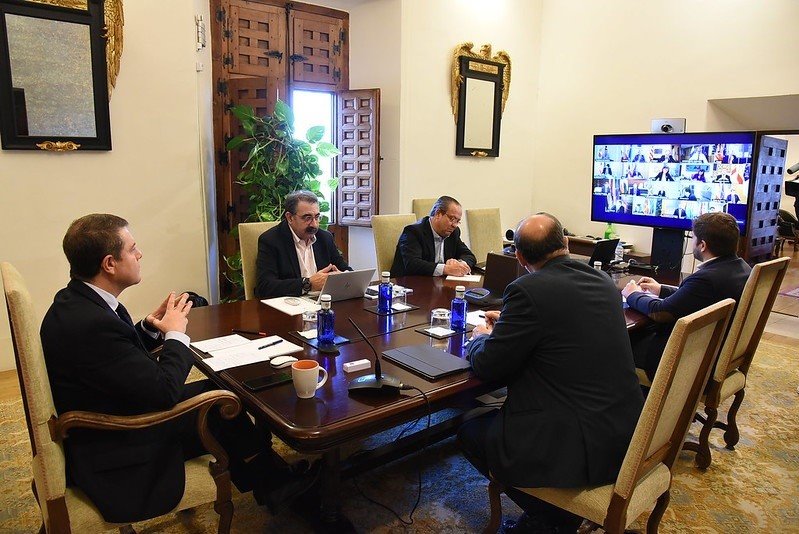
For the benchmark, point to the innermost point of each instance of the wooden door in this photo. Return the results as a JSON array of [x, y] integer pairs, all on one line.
[[318, 50], [764, 199]]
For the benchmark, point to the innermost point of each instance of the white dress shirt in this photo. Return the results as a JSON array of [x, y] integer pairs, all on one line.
[[305, 254]]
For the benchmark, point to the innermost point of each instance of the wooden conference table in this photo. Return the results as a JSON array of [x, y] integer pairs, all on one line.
[[334, 417]]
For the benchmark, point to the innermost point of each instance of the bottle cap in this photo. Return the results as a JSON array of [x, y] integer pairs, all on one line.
[[385, 275], [459, 291], [325, 298]]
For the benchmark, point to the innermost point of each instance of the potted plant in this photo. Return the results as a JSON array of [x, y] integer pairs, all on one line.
[[276, 165]]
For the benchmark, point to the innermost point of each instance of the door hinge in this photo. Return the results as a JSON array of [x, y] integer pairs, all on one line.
[[227, 59], [275, 54], [221, 87], [337, 74], [222, 156], [220, 14], [297, 57], [337, 48], [342, 36]]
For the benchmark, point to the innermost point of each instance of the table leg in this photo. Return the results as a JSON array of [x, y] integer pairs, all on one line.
[[330, 517]]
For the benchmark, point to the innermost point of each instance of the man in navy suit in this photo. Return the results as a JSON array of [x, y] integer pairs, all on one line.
[[722, 275], [98, 360], [573, 398], [296, 256], [433, 246]]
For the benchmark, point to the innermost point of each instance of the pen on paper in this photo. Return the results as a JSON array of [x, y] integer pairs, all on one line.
[[251, 332], [272, 344]]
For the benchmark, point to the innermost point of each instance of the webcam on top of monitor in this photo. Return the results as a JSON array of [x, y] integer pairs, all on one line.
[[668, 126]]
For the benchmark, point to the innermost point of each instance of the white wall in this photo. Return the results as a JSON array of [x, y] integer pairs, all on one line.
[[610, 67], [153, 176]]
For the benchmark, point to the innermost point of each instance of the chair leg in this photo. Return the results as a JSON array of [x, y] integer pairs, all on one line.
[[731, 435], [127, 529], [657, 514], [223, 504], [587, 527], [703, 450], [494, 492]]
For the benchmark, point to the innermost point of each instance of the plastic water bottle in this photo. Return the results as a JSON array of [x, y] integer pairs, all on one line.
[[458, 310], [610, 232], [325, 322], [619, 252], [385, 292]]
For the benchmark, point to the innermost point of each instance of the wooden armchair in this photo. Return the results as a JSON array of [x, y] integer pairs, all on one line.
[[645, 476], [248, 246], [67, 509], [729, 376], [386, 230]]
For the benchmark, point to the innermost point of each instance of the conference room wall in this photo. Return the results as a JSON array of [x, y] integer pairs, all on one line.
[[152, 177], [611, 67]]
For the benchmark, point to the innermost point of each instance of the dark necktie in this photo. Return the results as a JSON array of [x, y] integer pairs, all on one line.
[[123, 314]]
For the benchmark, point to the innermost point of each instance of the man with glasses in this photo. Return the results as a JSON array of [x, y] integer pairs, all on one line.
[[296, 256], [433, 246]]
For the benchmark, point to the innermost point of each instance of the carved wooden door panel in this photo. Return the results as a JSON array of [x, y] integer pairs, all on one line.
[[358, 114], [318, 49], [257, 43], [764, 202]]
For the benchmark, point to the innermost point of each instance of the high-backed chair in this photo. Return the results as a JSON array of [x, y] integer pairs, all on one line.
[[422, 206], [386, 230], [485, 231], [645, 475], [66, 509], [248, 244], [729, 377]]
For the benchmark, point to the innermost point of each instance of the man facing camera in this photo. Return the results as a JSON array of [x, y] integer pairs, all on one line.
[[560, 344], [722, 275], [98, 360], [433, 246], [296, 256]]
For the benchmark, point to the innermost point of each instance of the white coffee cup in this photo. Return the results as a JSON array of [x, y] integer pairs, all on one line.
[[305, 375]]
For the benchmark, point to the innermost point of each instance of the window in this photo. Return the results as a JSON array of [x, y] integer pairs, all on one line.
[[315, 108]]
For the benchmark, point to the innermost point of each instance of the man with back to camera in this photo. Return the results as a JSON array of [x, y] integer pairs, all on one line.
[[296, 256], [432, 246], [573, 397], [98, 360], [722, 275]]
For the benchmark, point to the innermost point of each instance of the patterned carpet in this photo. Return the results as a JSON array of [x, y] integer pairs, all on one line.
[[752, 489]]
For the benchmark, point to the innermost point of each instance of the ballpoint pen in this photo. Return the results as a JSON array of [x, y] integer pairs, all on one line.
[[272, 344], [251, 332]]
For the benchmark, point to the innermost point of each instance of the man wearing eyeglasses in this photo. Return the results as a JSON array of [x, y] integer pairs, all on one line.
[[296, 256], [433, 246]]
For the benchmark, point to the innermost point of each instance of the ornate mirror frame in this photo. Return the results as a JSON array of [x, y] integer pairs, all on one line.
[[480, 86], [104, 41]]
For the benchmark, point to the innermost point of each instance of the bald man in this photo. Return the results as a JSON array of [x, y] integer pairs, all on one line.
[[560, 344]]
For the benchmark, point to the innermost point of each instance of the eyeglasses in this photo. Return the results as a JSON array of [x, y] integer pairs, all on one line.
[[308, 217], [453, 220]]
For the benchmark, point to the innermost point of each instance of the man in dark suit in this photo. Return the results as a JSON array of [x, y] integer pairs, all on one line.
[[722, 275], [98, 360], [560, 344], [433, 246], [296, 256]]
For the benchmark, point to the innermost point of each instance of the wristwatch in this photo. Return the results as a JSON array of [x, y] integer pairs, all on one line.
[[306, 285]]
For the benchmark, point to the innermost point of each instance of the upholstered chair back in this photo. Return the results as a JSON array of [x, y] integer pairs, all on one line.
[[422, 206], [248, 243], [485, 232], [386, 230]]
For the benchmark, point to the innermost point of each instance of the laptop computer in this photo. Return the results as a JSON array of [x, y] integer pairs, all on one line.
[[344, 285], [604, 251], [500, 271], [427, 361]]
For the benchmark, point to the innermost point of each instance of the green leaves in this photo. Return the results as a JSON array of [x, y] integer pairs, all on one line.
[[326, 150], [284, 114], [315, 134]]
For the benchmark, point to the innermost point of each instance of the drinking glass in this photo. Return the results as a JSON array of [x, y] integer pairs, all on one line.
[[439, 317], [308, 321]]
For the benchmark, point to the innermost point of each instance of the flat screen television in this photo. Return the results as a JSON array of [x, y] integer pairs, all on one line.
[[667, 180]]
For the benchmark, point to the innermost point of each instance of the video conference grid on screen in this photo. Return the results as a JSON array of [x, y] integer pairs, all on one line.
[[668, 181]]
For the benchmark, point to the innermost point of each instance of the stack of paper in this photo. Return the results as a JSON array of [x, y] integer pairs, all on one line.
[[465, 278], [292, 305], [226, 352]]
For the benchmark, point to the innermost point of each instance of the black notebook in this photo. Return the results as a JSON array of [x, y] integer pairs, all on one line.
[[427, 361]]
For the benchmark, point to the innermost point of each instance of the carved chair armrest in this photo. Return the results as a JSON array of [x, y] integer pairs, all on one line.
[[229, 407]]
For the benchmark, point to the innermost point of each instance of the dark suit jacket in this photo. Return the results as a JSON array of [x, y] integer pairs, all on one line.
[[416, 250], [277, 267], [724, 277], [99, 363], [562, 348]]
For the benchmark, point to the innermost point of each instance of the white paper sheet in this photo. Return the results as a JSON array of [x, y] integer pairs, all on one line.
[[292, 305], [251, 353], [308, 334], [218, 343], [476, 318], [467, 278], [439, 331]]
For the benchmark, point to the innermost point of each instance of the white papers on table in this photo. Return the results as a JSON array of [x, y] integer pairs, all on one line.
[[308, 334], [476, 318], [400, 307], [292, 305], [439, 331], [467, 278], [251, 353], [219, 343]]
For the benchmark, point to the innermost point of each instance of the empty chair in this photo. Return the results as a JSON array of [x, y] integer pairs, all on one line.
[[67, 509], [248, 243], [386, 230], [729, 377], [422, 206], [485, 232], [645, 475]]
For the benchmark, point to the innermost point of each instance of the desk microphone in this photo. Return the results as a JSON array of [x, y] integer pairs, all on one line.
[[377, 382]]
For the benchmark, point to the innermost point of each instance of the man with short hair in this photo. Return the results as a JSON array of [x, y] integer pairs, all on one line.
[[98, 360], [722, 275], [296, 256], [560, 344], [432, 246]]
